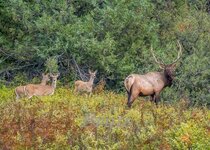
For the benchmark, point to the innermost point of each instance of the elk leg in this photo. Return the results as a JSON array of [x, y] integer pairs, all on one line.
[[157, 98], [90, 94], [132, 99], [17, 96], [75, 90], [132, 96], [128, 94], [152, 98], [128, 97], [129, 100], [30, 96]]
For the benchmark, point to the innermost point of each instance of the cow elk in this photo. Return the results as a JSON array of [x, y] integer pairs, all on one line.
[[152, 83], [41, 90], [81, 86], [20, 90]]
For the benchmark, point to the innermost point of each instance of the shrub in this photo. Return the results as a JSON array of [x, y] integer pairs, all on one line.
[[102, 121]]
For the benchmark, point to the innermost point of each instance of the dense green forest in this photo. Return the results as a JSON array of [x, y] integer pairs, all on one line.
[[111, 36]]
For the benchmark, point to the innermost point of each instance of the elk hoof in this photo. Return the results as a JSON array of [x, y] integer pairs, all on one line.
[[129, 105]]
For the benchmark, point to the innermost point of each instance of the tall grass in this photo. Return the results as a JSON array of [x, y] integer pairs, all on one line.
[[69, 121]]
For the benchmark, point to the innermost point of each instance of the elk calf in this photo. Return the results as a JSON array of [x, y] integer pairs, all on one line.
[[152, 83], [41, 90], [20, 90], [81, 86]]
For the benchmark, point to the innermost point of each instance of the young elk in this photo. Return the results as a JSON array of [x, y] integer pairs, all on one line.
[[41, 90], [20, 90], [152, 83], [81, 86]]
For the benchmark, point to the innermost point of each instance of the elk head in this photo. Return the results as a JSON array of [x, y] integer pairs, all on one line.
[[54, 78], [168, 69], [92, 74]]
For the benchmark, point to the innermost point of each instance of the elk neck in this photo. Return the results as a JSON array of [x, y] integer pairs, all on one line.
[[43, 82], [168, 76], [54, 84], [91, 80]]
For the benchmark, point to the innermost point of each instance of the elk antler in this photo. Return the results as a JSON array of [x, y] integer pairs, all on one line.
[[158, 62], [180, 51]]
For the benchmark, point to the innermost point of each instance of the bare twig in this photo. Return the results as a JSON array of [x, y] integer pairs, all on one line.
[[82, 76]]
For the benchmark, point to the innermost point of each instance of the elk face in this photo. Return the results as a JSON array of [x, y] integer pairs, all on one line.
[[54, 77], [170, 70], [169, 73], [92, 74]]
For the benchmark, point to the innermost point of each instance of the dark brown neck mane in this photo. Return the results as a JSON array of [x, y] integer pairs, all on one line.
[[169, 77]]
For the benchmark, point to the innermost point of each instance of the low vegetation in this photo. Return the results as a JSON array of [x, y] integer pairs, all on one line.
[[111, 36], [102, 121]]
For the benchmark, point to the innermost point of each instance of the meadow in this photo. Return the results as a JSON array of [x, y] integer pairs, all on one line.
[[102, 121]]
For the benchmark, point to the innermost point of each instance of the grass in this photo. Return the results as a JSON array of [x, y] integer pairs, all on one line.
[[103, 121]]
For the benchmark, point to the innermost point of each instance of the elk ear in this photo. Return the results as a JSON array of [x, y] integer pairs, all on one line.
[[89, 71], [44, 75], [95, 71], [58, 74]]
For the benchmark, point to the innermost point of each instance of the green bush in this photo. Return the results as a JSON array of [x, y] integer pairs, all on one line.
[[113, 37], [69, 121]]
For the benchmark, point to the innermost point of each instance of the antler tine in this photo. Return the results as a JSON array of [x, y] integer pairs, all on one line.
[[179, 53], [158, 62]]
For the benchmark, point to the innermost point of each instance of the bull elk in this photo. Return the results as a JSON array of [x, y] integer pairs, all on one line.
[[152, 83], [20, 90], [41, 90], [81, 86]]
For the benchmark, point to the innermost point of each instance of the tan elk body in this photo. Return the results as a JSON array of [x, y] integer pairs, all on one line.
[[152, 83], [21, 92], [81, 86], [41, 90]]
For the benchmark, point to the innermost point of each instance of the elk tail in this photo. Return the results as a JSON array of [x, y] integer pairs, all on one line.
[[128, 83], [129, 96]]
